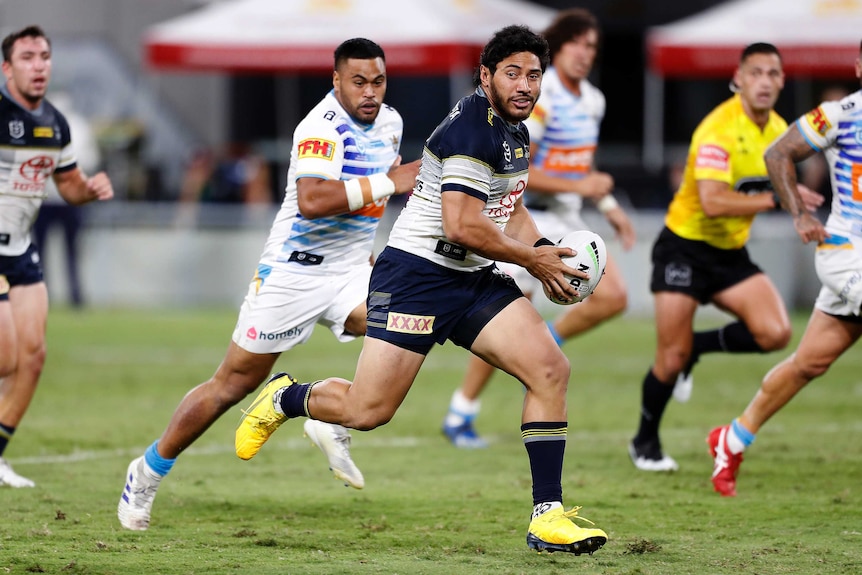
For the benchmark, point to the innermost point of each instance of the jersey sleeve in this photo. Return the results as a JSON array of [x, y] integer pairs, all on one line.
[[468, 157], [819, 127], [67, 159], [318, 149], [712, 157]]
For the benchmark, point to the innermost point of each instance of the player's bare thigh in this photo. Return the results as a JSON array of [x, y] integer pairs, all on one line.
[[30, 317], [518, 341], [757, 302], [8, 341]]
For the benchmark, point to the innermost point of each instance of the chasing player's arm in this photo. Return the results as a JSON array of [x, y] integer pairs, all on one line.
[[318, 197], [781, 158], [76, 188], [465, 223]]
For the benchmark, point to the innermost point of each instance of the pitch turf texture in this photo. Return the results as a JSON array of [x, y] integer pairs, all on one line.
[[113, 379]]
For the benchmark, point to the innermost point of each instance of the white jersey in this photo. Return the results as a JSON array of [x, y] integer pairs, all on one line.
[[836, 129], [564, 130], [329, 144], [33, 146]]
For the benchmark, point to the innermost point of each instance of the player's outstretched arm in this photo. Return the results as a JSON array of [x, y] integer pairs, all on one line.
[[76, 188]]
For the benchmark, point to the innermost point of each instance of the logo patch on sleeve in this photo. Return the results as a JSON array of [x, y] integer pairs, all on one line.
[[817, 120], [712, 157], [43, 132], [316, 148]]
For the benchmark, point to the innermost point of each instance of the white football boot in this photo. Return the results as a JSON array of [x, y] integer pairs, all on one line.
[[10, 478], [136, 501], [334, 441]]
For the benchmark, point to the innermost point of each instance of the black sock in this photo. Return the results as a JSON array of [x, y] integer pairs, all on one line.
[[546, 443], [733, 338], [6, 434], [654, 398]]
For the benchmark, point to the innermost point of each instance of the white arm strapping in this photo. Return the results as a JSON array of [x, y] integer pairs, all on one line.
[[363, 191]]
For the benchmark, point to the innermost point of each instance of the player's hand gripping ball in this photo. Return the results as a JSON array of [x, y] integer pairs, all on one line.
[[590, 256]]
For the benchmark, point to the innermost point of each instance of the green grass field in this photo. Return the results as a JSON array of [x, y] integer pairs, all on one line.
[[113, 379]]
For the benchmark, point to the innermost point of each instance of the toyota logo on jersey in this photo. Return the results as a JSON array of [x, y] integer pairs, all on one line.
[[37, 169]]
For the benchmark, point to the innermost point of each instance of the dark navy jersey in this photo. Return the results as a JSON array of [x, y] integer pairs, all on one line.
[[33, 146], [473, 151]]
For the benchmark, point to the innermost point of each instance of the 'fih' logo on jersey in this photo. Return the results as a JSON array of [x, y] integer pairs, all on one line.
[[37, 169], [406, 323], [316, 148], [16, 129], [817, 120]]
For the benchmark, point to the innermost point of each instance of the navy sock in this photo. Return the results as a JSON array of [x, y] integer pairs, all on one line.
[[733, 337], [294, 399], [6, 434], [546, 443], [654, 398]]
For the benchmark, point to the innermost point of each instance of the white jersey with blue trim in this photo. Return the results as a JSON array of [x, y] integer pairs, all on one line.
[[329, 144], [836, 129], [473, 151], [564, 130], [34, 144]]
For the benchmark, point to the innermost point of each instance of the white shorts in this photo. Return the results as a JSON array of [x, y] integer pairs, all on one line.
[[838, 262], [282, 312], [552, 226]]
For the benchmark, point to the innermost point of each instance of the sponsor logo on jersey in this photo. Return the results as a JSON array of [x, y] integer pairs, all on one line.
[[576, 160], [490, 116], [817, 120], [507, 151], [677, 275], [253, 334], [16, 129], [712, 157], [406, 323], [316, 148], [43, 132], [37, 169], [519, 153]]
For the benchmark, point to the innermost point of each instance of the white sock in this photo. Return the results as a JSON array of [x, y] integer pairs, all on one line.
[[542, 508], [461, 409], [734, 444]]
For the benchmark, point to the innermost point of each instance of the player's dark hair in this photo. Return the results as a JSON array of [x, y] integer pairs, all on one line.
[[28, 32], [567, 25], [759, 48], [358, 48], [511, 40]]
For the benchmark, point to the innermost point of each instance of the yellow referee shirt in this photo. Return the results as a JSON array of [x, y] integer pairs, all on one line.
[[727, 146]]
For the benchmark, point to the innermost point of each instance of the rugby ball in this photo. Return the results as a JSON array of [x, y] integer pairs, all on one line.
[[590, 256]]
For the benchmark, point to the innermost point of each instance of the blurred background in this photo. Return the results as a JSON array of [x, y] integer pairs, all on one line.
[[190, 105]]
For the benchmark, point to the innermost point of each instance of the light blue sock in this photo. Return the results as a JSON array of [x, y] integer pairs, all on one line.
[[554, 334], [745, 436], [156, 462]]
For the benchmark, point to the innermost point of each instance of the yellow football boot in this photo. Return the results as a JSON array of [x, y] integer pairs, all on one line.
[[261, 419], [554, 530]]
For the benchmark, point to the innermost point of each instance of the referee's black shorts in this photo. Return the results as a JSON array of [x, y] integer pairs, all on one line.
[[697, 268]]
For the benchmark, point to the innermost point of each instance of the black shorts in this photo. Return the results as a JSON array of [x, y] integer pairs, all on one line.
[[414, 303], [697, 268], [20, 270]]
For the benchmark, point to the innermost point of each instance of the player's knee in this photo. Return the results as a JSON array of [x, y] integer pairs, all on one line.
[[368, 419], [773, 338]]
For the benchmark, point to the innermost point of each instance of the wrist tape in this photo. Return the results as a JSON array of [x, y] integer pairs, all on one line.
[[606, 204], [363, 191]]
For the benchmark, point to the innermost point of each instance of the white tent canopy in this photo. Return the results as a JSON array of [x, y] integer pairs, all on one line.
[[418, 36], [816, 38]]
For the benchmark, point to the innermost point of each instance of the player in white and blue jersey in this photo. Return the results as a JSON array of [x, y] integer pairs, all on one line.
[[834, 128], [314, 269], [436, 280], [35, 144]]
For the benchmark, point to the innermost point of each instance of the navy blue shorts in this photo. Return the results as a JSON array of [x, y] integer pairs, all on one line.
[[20, 270], [697, 268], [414, 303]]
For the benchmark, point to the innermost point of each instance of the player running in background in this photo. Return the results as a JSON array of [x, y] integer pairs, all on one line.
[[35, 144], [836, 320], [700, 256], [564, 133], [436, 280], [314, 268]]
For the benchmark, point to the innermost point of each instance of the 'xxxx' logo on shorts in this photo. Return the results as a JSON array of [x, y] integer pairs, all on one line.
[[406, 323]]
